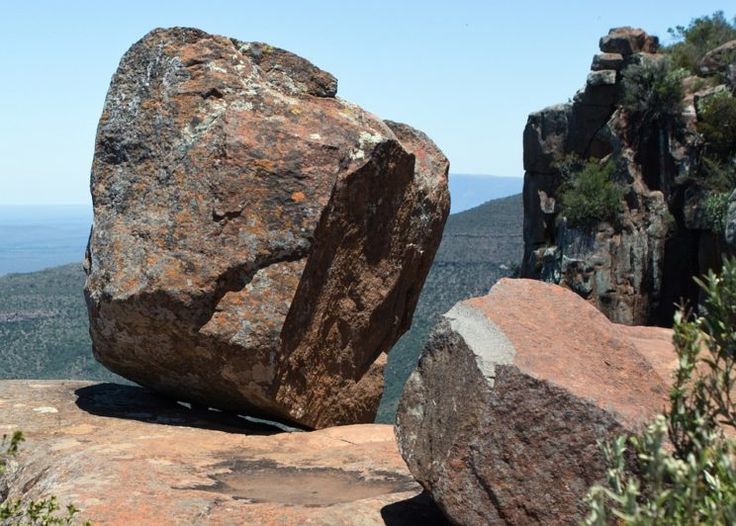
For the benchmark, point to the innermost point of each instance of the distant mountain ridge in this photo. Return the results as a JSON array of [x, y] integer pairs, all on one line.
[[470, 190], [43, 317]]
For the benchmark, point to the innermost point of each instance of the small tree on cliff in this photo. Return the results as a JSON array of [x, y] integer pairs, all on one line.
[[685, 467]]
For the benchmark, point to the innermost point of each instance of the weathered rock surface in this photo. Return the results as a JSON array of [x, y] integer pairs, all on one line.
[[126, 456], [628, 40], [500, 421], [258, 244], [638, 266]]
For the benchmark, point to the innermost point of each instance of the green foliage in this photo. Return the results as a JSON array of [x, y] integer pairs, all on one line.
[[700, 36], [717, 125], [684, 465], [10, 449], [653, 93], [715, 211], [44, 329], [44, 512], [589, 195], [717, 176]]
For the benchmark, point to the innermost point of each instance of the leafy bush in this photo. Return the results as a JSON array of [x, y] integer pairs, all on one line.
[[717, 124], [653, 92], [715, 210], [685, 471], [44, 512], [716, 176], [589, 195], [700, 36]]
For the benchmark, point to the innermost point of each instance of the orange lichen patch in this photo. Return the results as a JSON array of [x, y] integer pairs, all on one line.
[[298, 197]]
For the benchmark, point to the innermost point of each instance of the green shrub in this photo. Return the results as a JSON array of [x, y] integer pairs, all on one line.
[[44, 512], [700, 36], [715, 211], [589, 194], [684, 465], [716, 176], [717, 125], [653, 93]]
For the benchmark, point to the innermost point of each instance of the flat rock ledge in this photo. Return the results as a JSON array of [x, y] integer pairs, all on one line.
[[125, 456], [501, 419]]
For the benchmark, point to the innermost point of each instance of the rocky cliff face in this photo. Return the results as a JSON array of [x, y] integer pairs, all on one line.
[[258, 243], [635, 267]]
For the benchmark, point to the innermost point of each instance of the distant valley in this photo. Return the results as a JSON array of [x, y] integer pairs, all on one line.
[[43, 318]]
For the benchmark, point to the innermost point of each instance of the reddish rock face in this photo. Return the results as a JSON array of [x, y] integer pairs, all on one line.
[[502, 418], [258, 244]]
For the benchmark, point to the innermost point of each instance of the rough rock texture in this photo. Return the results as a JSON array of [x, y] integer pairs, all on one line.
[[258, 244], [628, 40], [125, 456], [500, 420], [637, 269]]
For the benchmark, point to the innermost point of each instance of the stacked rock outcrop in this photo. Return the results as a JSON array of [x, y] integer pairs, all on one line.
[[620, 271], [501, 420], [258, 244], [637, 267]]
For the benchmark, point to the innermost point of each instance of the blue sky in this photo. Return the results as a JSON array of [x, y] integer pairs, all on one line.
[[466, 72]]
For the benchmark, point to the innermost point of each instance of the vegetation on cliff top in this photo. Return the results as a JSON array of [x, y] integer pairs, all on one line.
[[684, 470], [653, 94], [701, 35]]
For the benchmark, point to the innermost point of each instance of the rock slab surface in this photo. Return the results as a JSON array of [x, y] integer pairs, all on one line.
[[258, 243], [124, 455], [501, 419]]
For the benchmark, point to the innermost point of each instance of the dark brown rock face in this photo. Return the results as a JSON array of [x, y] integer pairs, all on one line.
[[501, 420], [258, 244], [628, 40]]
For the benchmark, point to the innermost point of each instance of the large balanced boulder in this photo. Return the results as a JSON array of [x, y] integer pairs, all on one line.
[[125, 456], [501, 420], [258, 243]]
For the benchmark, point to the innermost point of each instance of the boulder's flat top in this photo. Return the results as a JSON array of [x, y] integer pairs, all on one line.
[[561, 338], [126, 456]]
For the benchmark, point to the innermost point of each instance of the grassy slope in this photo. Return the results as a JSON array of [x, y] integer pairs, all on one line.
[[43, 319]]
